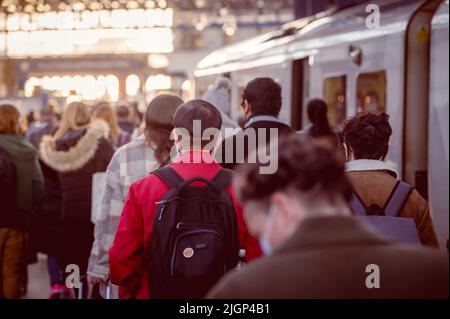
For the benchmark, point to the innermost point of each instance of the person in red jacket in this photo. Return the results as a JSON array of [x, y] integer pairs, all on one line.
[[128, 255]]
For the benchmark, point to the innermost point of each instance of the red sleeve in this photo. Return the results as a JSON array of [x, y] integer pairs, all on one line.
[[246, 240], [127, 252]]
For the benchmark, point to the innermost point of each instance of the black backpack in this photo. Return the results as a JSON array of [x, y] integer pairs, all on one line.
[[194, 241]]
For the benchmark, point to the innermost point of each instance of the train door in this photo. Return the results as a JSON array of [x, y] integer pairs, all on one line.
[[331, 78], [438, 137], [299, 93], [417, 62]]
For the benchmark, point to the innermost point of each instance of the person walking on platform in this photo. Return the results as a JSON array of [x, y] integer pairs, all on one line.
[[366, 143], [22, 186], [130, 163], [77, 150], [261, 103], [206, 220]]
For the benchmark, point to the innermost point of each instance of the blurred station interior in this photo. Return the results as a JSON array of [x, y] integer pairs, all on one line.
[[118, 50]]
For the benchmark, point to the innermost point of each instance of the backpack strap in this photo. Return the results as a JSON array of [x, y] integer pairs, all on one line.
[[357, 205], [168, 176], [397, 199], [223, 178]]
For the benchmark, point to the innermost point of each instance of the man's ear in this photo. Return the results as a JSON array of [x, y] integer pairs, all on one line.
[[282, 203], [247, 107]]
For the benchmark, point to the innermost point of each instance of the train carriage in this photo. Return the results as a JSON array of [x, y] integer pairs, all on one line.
[[356, 65]]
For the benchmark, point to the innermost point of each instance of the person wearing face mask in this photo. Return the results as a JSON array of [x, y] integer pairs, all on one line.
[[366, 144], [314, 247]]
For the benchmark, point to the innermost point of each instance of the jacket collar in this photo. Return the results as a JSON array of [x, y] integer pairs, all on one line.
[[261, 118], [370, 165], [331, 231], [77, 155], [194, 156]]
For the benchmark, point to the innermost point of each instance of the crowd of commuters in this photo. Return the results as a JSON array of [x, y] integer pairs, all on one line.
[[309, 229]]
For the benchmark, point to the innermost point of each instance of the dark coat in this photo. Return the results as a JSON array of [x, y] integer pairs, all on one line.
[[327, 258], [231, 144], [76, 156], [9, 213]]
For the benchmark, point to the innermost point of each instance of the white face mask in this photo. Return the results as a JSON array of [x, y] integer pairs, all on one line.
[[264, 241]]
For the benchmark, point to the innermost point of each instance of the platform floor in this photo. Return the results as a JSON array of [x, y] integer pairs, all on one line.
[[38, 280]]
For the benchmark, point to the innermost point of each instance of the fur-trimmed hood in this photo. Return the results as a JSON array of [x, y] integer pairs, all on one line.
[[78, 155]]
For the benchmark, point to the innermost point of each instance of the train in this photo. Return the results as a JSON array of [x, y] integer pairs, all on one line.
[[382, 55]]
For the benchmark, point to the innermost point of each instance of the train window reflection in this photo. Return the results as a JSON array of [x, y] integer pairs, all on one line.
[[334, 89], [371, 92]]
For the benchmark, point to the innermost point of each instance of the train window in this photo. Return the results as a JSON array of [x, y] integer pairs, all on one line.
[[371, 92], [334, 89]]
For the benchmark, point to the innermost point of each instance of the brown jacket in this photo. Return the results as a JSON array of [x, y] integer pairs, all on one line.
[[373, 181], [327, 258]]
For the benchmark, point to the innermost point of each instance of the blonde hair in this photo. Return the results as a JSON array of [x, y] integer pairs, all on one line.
[[9, 119], [105, 112], [75, 116]]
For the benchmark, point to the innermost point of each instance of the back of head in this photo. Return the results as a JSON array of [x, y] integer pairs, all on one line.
[[9, 119], [264, 96], [47, 112], [75, 116], [159, 123], [312, 171], [105, 112], [317, 113], [367, 135], [195, 117]]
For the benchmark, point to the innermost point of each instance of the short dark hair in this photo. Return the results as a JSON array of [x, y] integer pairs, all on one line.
[[264, 96], [368, 134], [303, 165], [200, 110]]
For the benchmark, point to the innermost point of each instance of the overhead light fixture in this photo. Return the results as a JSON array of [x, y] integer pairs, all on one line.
[[157, 61], [230, 26], [201, 22]]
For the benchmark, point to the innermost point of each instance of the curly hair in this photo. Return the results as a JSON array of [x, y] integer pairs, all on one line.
[[302, 165], [368, 134]]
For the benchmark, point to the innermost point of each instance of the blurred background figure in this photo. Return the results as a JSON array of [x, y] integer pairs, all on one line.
[[20, 167], [105, 112], [76, 151], [219, 96], [320, 128], [261, 103], [124, 118], [130, 163], [45, 125]]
